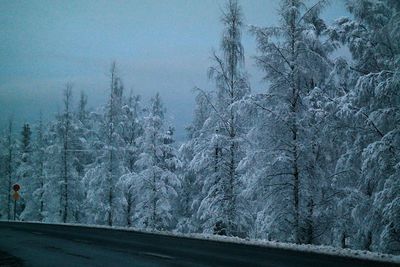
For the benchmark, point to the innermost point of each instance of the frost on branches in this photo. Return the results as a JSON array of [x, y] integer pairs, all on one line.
[[312, 158]]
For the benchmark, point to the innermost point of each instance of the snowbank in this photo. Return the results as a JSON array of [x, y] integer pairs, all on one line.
[[359, 254]]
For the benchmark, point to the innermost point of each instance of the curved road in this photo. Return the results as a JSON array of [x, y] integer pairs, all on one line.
[[62, 245]]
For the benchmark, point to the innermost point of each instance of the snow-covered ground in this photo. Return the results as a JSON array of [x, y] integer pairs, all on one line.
[[334, 251]]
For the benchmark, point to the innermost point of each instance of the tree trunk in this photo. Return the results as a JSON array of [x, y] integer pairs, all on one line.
[[9, 170], [129, 209]]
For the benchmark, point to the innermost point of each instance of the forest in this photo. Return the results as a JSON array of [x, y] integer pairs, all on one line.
[[313, 158]]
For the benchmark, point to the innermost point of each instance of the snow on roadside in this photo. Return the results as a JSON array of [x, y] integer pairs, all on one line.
[[321, 249]]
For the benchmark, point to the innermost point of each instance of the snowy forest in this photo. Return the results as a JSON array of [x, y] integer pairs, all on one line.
[[312, 158]]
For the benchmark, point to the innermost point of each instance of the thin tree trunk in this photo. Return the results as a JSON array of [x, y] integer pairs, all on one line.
[[294, 107], [129, 209], [110, 143], [65, 163], [9, 170], [310, 223], [41, 207], [154, 211]]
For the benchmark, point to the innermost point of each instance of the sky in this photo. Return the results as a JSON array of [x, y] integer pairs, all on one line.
[[159, 45]]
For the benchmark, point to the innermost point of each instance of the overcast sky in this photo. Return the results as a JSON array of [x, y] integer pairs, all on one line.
[[160, 46]]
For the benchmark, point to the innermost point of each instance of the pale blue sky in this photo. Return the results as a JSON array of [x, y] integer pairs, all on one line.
[[162, 46]]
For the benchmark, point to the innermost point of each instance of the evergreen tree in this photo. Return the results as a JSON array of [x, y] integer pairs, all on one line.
[[9, 166], [102, 177], [132, 129], [132, 134], [195, 160], [40, 174], [221, 207], [63, 178], [372, 107], [25, 169], [156, 179], [296, 65]]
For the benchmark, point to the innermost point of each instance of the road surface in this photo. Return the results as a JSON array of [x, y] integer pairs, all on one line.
[[62, 245]]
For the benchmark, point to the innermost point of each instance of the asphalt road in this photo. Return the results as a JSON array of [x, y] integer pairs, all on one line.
[[62, 245]]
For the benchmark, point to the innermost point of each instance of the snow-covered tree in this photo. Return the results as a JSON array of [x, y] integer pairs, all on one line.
[[132, 134], [83, 128], [296, 64], [372, 108], [194, 167], [132, 129], [33, 173], [61, 166], [9, 168], [219, 146], [101, 178], [156, 180], [313, 159], [39, 158], [25, 171]]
